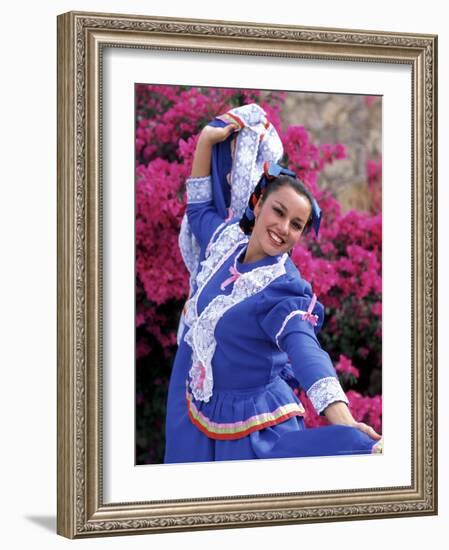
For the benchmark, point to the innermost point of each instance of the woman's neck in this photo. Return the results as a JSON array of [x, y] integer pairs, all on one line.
[[252, 254]]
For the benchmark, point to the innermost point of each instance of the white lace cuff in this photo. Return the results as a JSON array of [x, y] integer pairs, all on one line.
[[199, 189], [324, 392]]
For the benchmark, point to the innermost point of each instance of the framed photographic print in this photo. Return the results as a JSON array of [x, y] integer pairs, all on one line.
[[168, 119], [356, 114]]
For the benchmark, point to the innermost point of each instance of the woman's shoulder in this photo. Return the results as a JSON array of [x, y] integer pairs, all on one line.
[[291, 283], [287, 296], [286, 293]]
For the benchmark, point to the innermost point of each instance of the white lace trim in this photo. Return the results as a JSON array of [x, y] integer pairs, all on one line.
[[251, 153], [242, 178], [226, 244], [284, 324], [189, 247], [211, 240], [324, 392], [200, 335], [199, 189]]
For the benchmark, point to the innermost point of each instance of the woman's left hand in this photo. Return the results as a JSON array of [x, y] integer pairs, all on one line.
[[368, 430], [339, 413]]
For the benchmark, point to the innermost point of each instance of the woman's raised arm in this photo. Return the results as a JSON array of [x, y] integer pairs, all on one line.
[[203, 152], [201, 212]]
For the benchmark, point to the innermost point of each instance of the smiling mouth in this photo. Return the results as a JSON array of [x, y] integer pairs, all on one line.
[[275, 239]]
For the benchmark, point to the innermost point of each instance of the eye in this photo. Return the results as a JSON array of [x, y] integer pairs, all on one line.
[[278, 210], [297, 226]]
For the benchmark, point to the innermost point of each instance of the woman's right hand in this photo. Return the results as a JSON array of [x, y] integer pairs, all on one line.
[[208, 137], [215, 134]]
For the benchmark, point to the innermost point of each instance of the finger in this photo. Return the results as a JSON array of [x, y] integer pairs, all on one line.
[[233, 128], [374, 435], [368, 430]]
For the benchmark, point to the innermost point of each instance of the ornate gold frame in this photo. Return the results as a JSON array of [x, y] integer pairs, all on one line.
[[81, 37]]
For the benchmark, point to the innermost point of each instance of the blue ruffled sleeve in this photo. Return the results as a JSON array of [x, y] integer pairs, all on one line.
[[282, 316], [202, 215]]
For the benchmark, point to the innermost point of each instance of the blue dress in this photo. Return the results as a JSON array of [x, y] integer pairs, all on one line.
[[244, 323]]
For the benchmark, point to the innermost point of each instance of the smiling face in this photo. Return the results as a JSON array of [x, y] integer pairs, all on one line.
[[280, 221]]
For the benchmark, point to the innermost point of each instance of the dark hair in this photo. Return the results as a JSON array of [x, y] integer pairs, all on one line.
[[247, 221]]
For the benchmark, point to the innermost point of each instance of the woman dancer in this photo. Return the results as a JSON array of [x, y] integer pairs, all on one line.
[[250, 314]]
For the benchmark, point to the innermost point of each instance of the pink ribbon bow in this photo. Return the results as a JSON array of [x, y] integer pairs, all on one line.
[[234, 276], [308, 316]]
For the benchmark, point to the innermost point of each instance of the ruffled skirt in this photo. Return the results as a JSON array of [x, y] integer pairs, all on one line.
[[263, 422]]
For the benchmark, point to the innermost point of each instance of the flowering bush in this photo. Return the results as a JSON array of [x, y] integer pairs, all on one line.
[[363, 407], [343, 264]]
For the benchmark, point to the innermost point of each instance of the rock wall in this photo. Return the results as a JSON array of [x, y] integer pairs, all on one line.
[[353, 120]]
